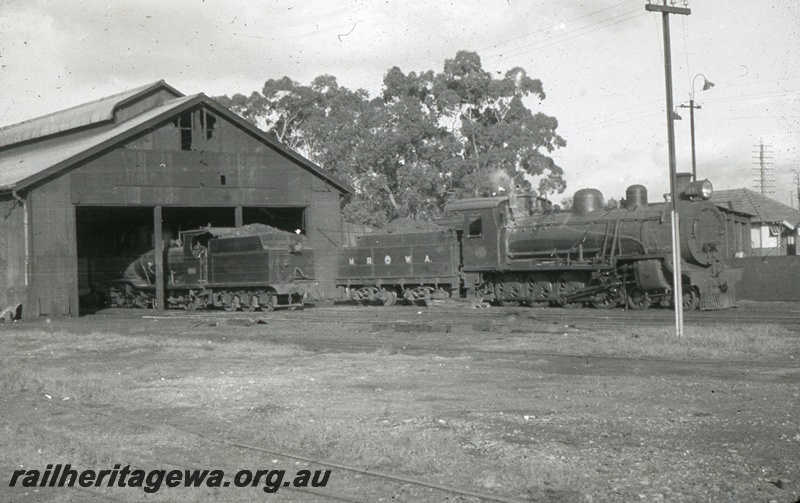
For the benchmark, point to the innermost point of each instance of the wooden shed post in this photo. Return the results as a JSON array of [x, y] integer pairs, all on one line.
[[159, 256], [239, 216]]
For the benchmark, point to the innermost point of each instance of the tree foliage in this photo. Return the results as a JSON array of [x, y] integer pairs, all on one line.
[[427, 139]]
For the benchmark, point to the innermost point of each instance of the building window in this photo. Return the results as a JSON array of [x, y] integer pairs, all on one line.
[[193, 127], [185, 125], [207, 123], [475, 227]]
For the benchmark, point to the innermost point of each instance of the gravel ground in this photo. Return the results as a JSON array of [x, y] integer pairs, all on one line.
[[491, 415]]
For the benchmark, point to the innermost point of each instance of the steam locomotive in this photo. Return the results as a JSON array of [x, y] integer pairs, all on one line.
[[518, 249], [251, 267], [509, 250]]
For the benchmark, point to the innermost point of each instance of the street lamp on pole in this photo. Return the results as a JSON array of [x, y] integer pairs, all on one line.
[[707, 84]]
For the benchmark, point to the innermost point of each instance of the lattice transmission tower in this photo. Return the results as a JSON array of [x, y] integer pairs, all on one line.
[[763, 172]]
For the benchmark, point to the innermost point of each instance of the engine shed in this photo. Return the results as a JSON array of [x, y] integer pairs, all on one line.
[[84, 190]]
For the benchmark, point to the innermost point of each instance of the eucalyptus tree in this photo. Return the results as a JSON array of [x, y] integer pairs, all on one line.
[[428, 138]]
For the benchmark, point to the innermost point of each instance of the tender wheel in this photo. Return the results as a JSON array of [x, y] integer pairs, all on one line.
[[253, 305], [366, 294], [420, 294], [389, 297], [190, 304], [638, 299], [690, 298], [272, 302], [234, 304]]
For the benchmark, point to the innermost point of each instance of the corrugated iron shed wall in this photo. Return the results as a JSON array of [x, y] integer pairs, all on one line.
[[12, 252], [53, 257], [232, 168]]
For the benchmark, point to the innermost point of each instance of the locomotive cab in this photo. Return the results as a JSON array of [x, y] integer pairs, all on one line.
[[191, 268], [483, 226]]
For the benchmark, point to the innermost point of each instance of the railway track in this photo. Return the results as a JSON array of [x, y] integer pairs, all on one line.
[[233, 444], [463, 313]]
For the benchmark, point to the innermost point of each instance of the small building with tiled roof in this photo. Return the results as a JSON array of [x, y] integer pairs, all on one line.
[[85, 188], [773, 225]]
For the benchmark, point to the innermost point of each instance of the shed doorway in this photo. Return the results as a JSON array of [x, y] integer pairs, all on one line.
[[109, 238]]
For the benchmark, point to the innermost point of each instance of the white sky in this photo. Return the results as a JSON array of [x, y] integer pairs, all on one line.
[[601, 64]]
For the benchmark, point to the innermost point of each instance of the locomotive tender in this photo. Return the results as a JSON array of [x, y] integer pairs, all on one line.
[[506, 250], [250, 267]]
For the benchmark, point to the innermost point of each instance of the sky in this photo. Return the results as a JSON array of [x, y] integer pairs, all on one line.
[[601, 64]]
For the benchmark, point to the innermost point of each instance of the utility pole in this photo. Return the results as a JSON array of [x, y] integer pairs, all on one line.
[[677, 301]]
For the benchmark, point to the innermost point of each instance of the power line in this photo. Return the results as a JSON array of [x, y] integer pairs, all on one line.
[[564, 22], [578, 32]]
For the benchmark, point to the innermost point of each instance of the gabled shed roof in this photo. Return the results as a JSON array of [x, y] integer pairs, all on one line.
[[93, 112], [36, 159], [761, 207], [19, 169]]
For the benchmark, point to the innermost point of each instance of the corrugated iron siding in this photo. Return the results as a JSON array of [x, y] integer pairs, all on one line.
[[324, 229], [53, 257], [235, 169], [12, 252]]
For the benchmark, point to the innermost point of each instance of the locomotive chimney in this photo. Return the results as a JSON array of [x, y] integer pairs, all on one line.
[[586, 201], [682, 181], [635, 196]]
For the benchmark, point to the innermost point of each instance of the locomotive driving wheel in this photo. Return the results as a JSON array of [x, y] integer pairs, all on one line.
[[505, 289], [539, 290], [638, 299], [607, 299], [567, 284]]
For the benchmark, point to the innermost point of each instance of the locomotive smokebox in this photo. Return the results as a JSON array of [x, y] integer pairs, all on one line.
[[586, 201], [635, 197]]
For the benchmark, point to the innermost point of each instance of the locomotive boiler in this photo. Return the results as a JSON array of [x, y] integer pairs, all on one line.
[[593, 255], [251, 267]]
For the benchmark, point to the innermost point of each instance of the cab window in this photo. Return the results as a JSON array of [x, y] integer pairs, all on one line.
[[475, 227]]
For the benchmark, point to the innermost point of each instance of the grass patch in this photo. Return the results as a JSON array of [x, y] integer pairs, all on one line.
[[697, 342]]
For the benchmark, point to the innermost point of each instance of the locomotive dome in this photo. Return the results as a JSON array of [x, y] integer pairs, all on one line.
[[636, 196], [587, 200]]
